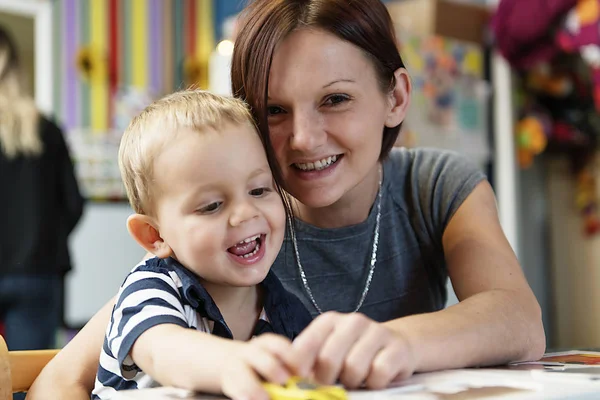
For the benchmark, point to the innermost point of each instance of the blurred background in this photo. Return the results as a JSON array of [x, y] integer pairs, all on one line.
[[515, 85]]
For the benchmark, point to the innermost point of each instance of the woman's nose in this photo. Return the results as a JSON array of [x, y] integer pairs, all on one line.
[[307, 132], [243, 212]]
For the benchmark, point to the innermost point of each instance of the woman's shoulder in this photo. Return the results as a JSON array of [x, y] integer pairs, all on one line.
[[426, 175], [427, 163], [426, 157]]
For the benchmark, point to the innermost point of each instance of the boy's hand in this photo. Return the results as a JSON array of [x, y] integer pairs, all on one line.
[[267, 357]]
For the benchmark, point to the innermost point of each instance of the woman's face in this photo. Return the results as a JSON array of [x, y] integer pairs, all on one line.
[[326, 115]]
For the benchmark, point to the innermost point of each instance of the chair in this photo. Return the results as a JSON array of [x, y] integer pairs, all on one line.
[[18, 369]]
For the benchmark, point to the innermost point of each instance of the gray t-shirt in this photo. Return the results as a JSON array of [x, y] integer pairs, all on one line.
[[422, 189]]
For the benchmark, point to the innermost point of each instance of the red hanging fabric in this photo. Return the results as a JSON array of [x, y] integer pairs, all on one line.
[[524, 29]]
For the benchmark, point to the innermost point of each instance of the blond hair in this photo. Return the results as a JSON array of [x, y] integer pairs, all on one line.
[[156, 125], [19, 117]]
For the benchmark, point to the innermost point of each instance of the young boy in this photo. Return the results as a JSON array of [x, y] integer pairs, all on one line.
[[206, 206]]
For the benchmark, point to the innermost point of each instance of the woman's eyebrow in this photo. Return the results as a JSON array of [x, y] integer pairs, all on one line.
[[337, 81]]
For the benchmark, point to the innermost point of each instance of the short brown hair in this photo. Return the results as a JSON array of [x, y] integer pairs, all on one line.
[[265, 23]]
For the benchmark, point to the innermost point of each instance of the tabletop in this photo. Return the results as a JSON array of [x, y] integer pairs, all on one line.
[[461, 384]]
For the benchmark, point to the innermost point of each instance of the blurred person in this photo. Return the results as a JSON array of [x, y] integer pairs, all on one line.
[[39, 207]]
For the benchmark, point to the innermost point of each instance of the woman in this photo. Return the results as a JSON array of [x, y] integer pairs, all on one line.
[[39, 206], [377, 231]]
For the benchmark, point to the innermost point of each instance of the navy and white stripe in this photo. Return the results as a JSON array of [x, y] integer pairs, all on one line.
[[155, 292]]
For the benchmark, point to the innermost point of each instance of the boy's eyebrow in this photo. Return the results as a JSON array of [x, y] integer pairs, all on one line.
[[257, 172]]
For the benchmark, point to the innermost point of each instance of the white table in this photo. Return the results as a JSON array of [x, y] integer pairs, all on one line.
[[488, 384]]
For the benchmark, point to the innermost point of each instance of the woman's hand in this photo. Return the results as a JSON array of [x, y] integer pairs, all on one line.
[[267, 357], [355, 350]]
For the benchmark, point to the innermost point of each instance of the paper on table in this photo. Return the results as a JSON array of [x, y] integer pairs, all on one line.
[[573, 357], [454, 384], [162, 393]]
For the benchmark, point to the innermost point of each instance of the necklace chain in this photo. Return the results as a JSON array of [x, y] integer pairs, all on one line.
[[372, 263]]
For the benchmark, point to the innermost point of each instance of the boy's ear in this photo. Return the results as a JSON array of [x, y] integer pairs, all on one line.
[[145, 231]]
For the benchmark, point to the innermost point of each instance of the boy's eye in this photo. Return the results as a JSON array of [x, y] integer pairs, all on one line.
[[212, 207], [274, 110], [260, 192], [336, 99]]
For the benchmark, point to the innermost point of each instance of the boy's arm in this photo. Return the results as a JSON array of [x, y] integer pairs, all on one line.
[[186, 358], [70, 375], [150, 331]]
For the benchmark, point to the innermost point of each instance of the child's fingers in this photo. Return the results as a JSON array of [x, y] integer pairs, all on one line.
[[281, 348], [270, 367], [244, 385]]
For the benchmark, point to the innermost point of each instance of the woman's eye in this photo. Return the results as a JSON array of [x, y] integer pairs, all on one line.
[[260, 192], [211, 208], [336, 99], [274, 110]]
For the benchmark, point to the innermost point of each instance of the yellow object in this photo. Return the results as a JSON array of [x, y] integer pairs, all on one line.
[[205, 41], [299, 389], [587, 11], [18, 369], [140, 43], [90, 63], [99, 79], [473, 62], [531, 140]]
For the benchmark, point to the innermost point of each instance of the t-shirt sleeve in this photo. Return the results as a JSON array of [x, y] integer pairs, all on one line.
[[146, 299], [441, 181]]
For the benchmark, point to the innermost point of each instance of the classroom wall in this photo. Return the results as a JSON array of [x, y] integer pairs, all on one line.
[[102, 253], [223, 10], [533, 238], [111, 59], [20, 27], [574, 262]]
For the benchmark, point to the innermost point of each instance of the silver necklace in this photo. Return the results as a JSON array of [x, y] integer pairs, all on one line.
[[371, 265]]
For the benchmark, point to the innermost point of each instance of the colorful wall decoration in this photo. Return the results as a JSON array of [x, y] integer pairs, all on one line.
[[112, 58], [449, 99]]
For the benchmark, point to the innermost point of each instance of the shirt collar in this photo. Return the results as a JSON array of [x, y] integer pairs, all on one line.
[[196, 295]]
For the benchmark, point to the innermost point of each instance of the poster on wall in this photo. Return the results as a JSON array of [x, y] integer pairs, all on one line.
[[449, 99], [113, 58]]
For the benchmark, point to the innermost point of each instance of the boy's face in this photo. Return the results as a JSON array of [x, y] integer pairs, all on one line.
[[216, 205]]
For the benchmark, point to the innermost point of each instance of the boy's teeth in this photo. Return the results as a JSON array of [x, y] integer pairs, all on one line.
[[250, 239], [253, 252], [317, 165]]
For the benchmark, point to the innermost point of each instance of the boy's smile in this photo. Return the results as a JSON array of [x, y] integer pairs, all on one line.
[[249, 251]]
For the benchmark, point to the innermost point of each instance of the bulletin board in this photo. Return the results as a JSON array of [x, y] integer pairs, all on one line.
[[449, 100], [114, 57]]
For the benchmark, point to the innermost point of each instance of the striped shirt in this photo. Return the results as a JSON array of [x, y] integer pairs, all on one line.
[[162, 291]]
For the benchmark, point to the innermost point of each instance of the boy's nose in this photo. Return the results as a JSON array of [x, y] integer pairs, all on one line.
[[243, 212]]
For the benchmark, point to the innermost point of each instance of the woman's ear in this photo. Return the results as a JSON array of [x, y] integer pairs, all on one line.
[[399, 98], [145, 231]]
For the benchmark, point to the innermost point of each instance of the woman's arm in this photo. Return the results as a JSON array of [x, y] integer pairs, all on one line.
[[71, 374], [497, 320]]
